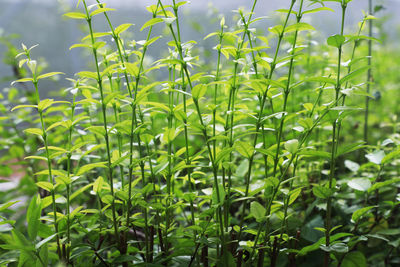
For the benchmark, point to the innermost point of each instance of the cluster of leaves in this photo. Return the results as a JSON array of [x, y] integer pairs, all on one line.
[[251, 159]]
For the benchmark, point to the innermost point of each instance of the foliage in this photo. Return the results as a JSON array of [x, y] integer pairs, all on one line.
[[250, 157]]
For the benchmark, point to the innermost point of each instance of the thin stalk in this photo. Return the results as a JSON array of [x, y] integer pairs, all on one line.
[[69, 172], [49, 167], [123, 59], [204, 129], [259, 122], [172, 73], [369, 74], [287, 92], [231, 102], [104, 114], [117, 112], [187, 154], [349, 69], [217, 77], [328, 222], [285, 100]]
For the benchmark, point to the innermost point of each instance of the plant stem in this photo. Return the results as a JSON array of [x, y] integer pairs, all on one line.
[[369, 74], [106, 137], [259, 122], [328, 218], [49, 167]]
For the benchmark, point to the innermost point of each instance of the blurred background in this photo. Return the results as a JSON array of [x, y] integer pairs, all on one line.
[[41, 22]]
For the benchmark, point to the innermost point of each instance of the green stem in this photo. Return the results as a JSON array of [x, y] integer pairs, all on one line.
[[328, 222], [49, 167], [369, 75], [104, 114], [259, 122]]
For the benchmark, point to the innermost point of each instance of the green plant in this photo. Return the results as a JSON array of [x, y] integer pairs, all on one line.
[[182, 162]]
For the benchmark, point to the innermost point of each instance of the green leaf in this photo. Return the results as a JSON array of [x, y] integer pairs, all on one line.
[[75, 15], [392, 155], [80, 191], [88, 74], [336, 40], [360, 184], [44, 256], [199, 91], [80, 45], [23, 106], [360, 213], [7, 205], [322, 191], [278, 29], [169, 21], [158, 105], [293, 195], [50, 74], [351, 165], [257, 211], [350, 148], [322, 79], [376, 157], [101, 10], [210, 35], [244, 148], [45, 185], [151, 23], [301, 26], [45, 103], [354, 74], [45, 241], [33, 215], [98, 184], [118, 160], [23, 80], [35, 131], [354, 259], [132, 69], [221, 195], [292, 145], [99, 130], [321, 241], [318, 10], [315, 153], [378, 185], [121, 28], [88, 167], [223, 154]]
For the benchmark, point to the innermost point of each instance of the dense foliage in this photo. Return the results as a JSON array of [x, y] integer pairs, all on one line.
[[275, 149]]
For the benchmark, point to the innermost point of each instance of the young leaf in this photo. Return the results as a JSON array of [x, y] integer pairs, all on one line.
[[33, 215], [23, 106], [360, 213], [360, 184], [321, 191], [199, 91], [45, 185], [257, 211], [336, 40], [75, 15], [376, 157], [121, 28], [244, 148], [151, 22]]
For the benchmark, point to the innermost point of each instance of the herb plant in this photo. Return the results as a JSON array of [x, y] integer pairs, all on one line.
[[246, 158]]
